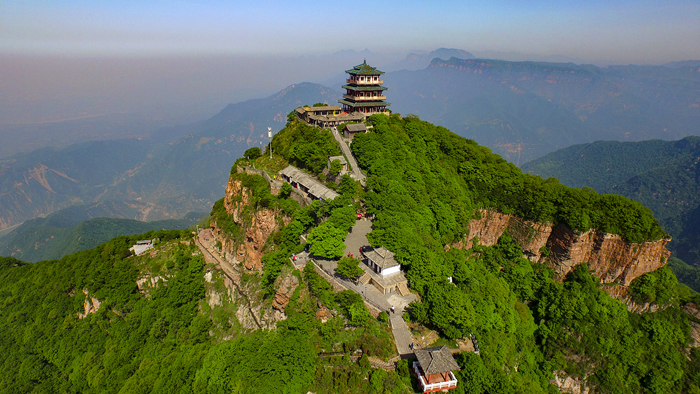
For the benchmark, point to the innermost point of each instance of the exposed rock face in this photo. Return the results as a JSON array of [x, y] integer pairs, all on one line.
[[567, 384], [621, 293], [91, 305], [609, 256], [149, 282], [235, 189], [263, 223], [285, 289], [251, 310], [693, 310]]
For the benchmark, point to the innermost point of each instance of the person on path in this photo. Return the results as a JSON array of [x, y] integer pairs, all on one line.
[[392, 309]]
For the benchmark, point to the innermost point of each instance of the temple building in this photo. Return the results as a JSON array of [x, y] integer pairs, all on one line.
[[364, 92], [434, 369], [382, 271]]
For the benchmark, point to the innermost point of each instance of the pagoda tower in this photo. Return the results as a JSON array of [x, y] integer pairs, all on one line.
[[364, 91]]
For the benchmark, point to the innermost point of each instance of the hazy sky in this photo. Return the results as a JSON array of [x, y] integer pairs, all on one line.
[[634, 31], [184, 60]]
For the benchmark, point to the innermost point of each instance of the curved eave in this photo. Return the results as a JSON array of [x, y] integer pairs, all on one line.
[[364, 88], [364, 72]]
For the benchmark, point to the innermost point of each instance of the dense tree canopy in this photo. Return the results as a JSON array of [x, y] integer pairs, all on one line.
[[423, 185]]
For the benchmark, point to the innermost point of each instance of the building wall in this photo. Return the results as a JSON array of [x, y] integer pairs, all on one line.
[[391, 270]]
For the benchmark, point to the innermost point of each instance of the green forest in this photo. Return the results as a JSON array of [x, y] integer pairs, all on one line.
[[423, 186]]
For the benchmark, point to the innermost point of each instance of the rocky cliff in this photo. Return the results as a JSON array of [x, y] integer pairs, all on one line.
[[240, 254], [257, 225], [609, 256]]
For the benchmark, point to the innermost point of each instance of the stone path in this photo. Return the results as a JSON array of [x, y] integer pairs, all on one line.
[[356, 172], [402, 336]]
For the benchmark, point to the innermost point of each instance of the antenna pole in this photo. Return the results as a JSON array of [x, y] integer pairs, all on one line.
[[269, 135]]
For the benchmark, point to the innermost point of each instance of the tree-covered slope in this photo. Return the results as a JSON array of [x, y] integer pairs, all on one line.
[[72, 229], [662, 175], [423, 183], [166, 323], [82, 324]]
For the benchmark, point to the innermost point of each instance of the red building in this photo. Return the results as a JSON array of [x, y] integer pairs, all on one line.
[[434, 369], [364, 92]]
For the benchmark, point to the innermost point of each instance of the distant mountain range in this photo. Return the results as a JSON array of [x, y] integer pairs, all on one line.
[[147, 179], [662, 175], [419, 61], [521, 110]]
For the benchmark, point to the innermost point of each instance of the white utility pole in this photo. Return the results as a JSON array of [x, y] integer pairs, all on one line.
[[269, 135]]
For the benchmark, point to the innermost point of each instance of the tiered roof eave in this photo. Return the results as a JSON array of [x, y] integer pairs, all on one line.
[[364, 103], [364, 69], [364, 87]]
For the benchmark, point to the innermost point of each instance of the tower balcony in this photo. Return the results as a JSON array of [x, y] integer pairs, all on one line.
[[365, 82], [366, 98]]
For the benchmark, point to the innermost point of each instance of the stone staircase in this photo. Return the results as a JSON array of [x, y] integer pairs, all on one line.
[[377, 363], [364, 279], [403, 289]]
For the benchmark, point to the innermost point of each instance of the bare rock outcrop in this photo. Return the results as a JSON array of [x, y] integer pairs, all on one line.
[[262, 225], [252, 311], [237, 196], [568, 384], [91, 305], [258, 224], [608, 255], [693, 310], [285, 289], [622, 293]]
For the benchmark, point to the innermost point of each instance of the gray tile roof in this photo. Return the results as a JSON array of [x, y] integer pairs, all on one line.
[[315, 188], [325, 108], [436, 360], [381, 256], [356, 128]]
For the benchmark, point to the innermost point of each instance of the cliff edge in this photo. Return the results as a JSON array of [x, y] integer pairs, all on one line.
[[611, 258]]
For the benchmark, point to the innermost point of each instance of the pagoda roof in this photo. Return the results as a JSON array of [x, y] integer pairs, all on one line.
[[436, 360], [364, 69], [364, 103], [364, 88]]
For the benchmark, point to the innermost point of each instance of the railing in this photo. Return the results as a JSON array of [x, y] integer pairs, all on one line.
[[365, 98], [450, 384], [365, 82]]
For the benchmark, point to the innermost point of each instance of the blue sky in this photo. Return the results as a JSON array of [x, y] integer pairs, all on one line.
[[594, 31]]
